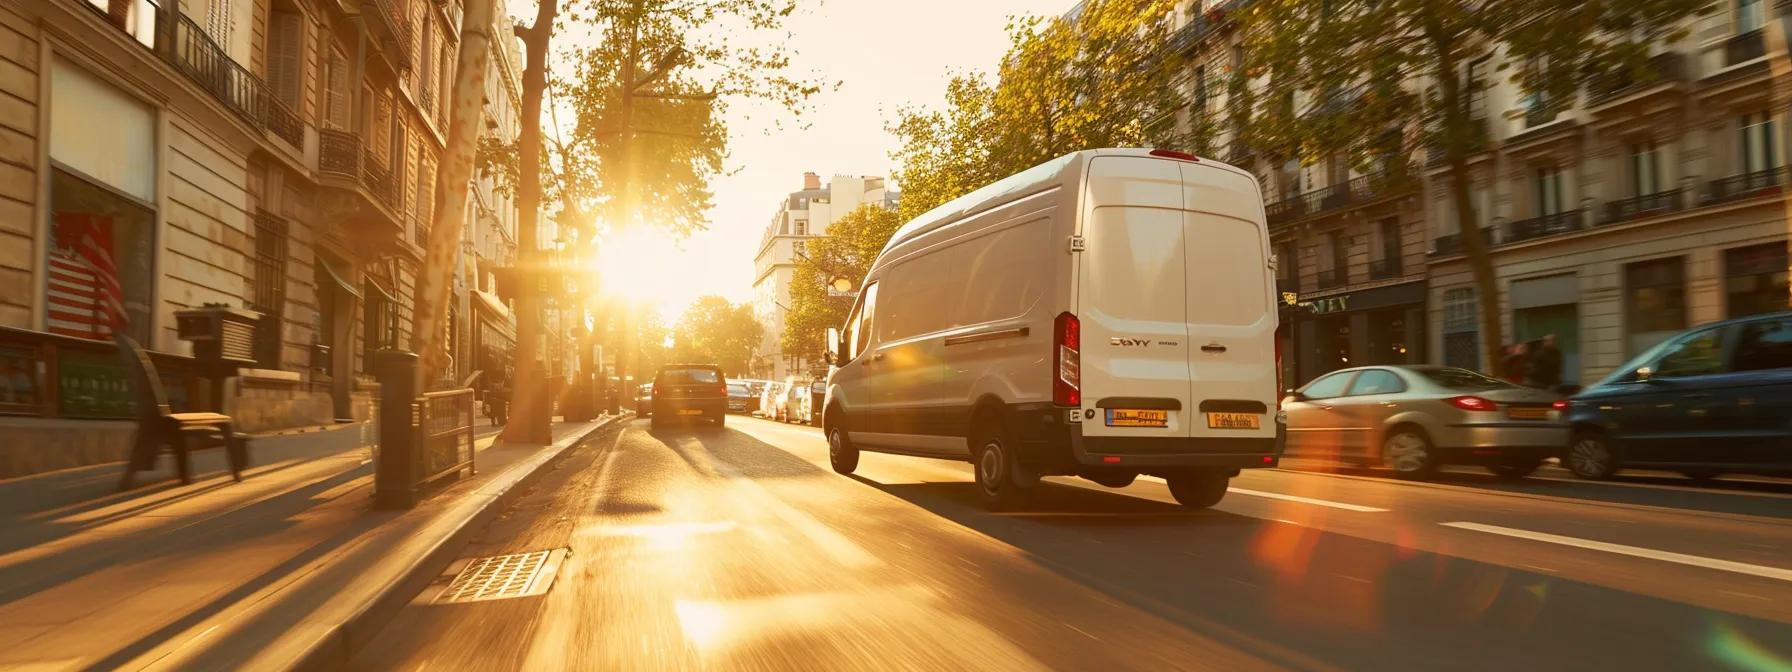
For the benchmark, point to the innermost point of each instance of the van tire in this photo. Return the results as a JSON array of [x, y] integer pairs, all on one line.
[[1002, 482], [1198, 489], [842, 455]]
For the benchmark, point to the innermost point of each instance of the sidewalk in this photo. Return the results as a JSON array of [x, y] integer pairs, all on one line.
[[219, 570]]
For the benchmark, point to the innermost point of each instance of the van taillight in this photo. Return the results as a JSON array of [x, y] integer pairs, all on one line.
[[1067, 342], [1279, 388]]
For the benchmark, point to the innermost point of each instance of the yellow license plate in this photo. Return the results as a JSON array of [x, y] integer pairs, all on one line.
[[1128, 417], [689, 411], [1234, 420], [1528, 413]]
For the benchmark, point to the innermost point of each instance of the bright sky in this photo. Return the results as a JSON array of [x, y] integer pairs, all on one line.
[[885, 54]]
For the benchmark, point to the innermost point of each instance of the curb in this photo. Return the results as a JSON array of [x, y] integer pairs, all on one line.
[[339, 644]]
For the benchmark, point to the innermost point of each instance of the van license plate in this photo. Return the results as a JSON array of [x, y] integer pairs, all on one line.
[[690, 411], [1233, 421], [1128, 417]]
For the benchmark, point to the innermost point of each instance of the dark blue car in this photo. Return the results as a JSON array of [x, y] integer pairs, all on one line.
[[1715, 399]]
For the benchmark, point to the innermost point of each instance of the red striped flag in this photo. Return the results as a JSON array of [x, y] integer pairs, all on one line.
[[85, 296]]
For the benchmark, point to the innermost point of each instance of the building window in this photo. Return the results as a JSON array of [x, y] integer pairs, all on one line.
[[100, 253], [268, 294], [802, 227], [1755, 279], [217, 22], [1654, 301], [286, 39], [136, 18], [1549, 190], [1758, 142], [1645, 169], [337, 94], [800, 247], [1461, 329], [1287, 268], [1201, 88], [1340, 253], [1476, 85], [1390, 238], [1749, 16]]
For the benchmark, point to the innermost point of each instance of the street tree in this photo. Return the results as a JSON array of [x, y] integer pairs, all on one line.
[[714, 331], [465, 108], [1374, 80], [531, 407], [1098, 78], [846, 251]]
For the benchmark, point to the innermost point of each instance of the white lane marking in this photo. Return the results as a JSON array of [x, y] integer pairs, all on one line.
[[1308, 500], [1357, 508], [1633, 551]]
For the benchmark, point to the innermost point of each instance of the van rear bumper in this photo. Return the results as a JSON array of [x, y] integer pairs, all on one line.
[[1053, 446]]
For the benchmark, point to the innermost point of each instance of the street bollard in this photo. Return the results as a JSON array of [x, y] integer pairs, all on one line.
[[395, 469]]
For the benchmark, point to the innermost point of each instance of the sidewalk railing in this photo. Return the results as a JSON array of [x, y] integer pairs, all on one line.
[[444, 424]]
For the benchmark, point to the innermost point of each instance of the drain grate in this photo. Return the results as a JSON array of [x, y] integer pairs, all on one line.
[[504, 576]]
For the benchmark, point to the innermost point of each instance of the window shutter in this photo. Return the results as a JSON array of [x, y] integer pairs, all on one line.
[[286, 35], [337, 108], [382, 130], [217, 22]]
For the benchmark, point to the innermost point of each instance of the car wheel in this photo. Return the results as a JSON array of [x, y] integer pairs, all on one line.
[[1002, 482], [842, 455], [1409, 454], [1198, 489], [1591, 457], [1515, 468]]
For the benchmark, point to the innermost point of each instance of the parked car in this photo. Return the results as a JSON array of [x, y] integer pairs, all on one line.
[[644, 400], [796, 407], [740, 400], [817, 400], [1414, 419], [1105, 314], [1711, 400], [768, 400], [690, 391]]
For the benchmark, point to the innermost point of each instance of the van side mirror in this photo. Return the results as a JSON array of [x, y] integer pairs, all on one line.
[[833, 347], [1294, 394]]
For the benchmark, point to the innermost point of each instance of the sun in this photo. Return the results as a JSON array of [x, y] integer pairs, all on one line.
[[649, 267]]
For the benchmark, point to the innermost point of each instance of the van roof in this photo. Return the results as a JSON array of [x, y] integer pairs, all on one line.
[[1032, 180]]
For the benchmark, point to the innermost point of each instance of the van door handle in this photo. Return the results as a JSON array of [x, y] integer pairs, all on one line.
[[1213, 347]]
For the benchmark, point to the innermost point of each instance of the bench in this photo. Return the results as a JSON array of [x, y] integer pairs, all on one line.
[[160, 428]]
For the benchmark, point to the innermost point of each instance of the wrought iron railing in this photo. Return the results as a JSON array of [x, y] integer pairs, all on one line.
[[195, 55], [1745, 47], [1666, 67], [378, 178], [1747, 185], [339, 153], [1434, 151], [396, 22], [1451, 243], [1385, 267], [284, 123], [1546, 225], [1203, 24], [1335, 197], [1644, 206], [444, 424]]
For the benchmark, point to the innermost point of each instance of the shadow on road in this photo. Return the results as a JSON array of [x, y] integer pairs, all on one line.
[[1311, 599]]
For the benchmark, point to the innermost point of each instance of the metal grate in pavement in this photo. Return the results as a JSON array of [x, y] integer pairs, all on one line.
[[503, 576]]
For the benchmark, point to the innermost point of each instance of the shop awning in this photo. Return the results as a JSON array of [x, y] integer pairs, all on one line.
[[379, 292], [336, 277]]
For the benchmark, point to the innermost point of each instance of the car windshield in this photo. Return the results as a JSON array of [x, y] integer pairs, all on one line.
[[737, 389], [1461, 379], [686, 375]]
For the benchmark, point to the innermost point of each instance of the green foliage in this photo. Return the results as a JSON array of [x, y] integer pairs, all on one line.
[[714, 331], [850, 246], [1098, 80], [648, 158]]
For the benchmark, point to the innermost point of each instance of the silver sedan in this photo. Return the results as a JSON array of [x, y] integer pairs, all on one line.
[[1413, 419]]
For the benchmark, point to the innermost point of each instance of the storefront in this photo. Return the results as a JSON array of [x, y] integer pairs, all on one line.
[[1384, 325]]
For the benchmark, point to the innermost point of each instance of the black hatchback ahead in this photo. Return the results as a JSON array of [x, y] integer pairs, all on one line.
[[690, 391], [1715, 399]]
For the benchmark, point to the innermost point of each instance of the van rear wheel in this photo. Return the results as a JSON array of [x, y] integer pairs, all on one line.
[[1003, 483], [1198, 489]]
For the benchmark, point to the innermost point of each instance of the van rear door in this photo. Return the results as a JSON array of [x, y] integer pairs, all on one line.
[[1230, 307], [1133, 300]]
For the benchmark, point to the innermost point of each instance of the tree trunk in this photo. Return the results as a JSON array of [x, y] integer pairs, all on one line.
[[453, 177], [530, 404], [1458, 143]]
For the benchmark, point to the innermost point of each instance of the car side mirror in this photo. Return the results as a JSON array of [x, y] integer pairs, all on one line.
[[1644, 374], [1295, 395]]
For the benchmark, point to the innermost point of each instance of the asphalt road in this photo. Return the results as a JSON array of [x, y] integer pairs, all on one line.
[[696, 548]]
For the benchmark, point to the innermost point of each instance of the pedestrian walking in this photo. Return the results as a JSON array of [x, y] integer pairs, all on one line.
[[1513, 366], [1544, 366]]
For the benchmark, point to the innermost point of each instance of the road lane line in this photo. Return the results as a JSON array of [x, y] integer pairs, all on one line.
[[1633, 551], [1308, 500]]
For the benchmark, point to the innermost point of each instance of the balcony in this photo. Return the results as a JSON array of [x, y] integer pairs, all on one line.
[[1356, 192], [1385, 268], [1745, 47], [344, 164], [1451, 244], [1186, 38], [392, 28], [1333, 277], [1668, 68], [1435, 155], [1747, 185], [1647, 205], [1546, 225]]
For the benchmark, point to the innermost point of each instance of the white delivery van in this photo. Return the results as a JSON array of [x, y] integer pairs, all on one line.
[[1107, 314]]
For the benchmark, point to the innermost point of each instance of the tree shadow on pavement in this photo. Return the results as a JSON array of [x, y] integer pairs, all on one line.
[[742, 454], [1308, 599]]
